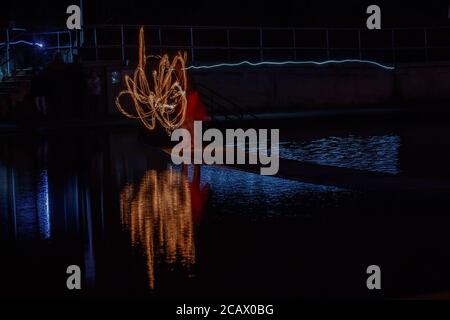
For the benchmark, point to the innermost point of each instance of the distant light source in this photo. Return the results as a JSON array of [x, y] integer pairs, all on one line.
[[39, 44], [115, 77]]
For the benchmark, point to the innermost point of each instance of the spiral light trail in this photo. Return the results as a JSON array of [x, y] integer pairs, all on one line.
[[163, 100]]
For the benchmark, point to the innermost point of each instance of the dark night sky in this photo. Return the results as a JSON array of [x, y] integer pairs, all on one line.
[[303, 13]]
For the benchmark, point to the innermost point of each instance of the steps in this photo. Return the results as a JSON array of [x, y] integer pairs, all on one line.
[[13, 90], [221, 108]]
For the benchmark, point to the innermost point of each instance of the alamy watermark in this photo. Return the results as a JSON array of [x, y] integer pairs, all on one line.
[[374, 280], [237, 147]]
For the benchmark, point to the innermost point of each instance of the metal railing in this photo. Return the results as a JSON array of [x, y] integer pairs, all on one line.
[[18, 41], [232, 44], [211, 44]]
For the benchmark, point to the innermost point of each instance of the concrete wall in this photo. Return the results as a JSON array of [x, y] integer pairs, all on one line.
[[423, 83], [306, 87], [313, 87]]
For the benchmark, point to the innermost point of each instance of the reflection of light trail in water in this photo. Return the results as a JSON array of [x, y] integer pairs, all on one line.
[[159, 217]]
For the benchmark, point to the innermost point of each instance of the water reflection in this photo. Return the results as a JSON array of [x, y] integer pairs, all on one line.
[[25, 204], [373, 153], [118, 197], [43, 205], [159, 214], [237, 192]]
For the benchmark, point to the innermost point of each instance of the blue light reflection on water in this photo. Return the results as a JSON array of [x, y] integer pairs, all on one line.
[[4, 206], [25, 204], [372, 153], [232, 190], [43, 205], [240, 192]]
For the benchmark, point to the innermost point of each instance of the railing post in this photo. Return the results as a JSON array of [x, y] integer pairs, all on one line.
[[261, 51], [294, 43], [71, 46], [426, 44], [359, 44], [228, 45], [57, 41], [393, 46], [83, 21], [160, 41], [95, 43], [77, 41], [328, 44], [8, 66], [122, 42], [192, 45]]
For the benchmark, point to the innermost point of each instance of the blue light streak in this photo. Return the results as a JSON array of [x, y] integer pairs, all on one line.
[[38, 44], [282, 63]]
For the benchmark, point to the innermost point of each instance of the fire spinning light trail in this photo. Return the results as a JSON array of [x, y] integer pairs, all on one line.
[[164, 101]]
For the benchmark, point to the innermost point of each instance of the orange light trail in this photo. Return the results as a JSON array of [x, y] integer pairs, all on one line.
[[165, 101]]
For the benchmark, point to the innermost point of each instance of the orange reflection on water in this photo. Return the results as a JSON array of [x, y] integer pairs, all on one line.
[[158, 214]]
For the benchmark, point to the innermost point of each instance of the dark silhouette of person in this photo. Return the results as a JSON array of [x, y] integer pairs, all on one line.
[[39, 91], [78, 85], [57, 85], [94, 89]]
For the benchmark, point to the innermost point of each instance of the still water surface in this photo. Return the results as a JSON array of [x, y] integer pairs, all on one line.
[[140, 226]]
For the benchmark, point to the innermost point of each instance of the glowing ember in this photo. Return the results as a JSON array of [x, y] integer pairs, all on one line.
[[165, 102]]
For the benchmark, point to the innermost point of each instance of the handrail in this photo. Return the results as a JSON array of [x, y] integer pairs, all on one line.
[[318, 43], [29, 38], [259, 27], [5, 62], [215, 101], [15, 36], [356, 42]]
